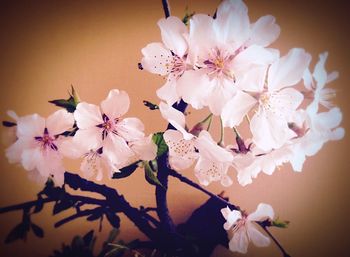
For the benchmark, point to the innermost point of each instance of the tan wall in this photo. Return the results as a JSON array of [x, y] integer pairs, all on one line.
[[47, 46]]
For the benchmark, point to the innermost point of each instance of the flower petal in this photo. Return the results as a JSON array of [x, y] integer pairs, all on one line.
[[116, 104], [256, 236], [235, 109], [130, 129], [168, 92], [30, 126], [193, 87], [145, 148], [264, 31], [59, 122], [88, 139], [87, 115], [239, 241], [172, 30], [156, 59], [288, 70], [262, 212]]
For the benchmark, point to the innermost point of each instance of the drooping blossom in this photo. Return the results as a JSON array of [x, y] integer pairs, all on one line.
[[223, 50], [243, 227], [105, 135], [168, 58], [212, 161], [38, 144]]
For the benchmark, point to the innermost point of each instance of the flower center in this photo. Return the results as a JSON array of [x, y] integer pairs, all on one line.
[[218, 64], [176, 67], [46, 141], [107, 126]]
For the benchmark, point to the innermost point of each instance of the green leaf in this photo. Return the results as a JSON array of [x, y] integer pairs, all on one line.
[[158, 139], [151, 174], [69, 104], [187, 16], [38, 231], [126, 171], [280, 223]]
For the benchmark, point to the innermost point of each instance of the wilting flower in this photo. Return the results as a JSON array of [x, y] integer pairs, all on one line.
[[168, 58], [38, 144], [244, 228]]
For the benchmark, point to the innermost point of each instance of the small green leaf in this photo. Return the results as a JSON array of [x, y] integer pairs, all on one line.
[[280, 223], [126, 171], [187, 16], [158, 139], [151, 175], [69, 104]]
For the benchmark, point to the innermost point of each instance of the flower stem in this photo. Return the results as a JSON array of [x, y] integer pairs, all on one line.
[[166, 8], [285, 254], [221, 141]]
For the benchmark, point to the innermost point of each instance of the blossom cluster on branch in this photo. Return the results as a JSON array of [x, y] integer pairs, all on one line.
[[223, 64]]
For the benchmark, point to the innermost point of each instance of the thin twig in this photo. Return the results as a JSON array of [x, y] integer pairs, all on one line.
[[285, 254]]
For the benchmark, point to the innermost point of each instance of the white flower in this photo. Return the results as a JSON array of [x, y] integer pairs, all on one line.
[[184, 149], [105, 128], [168, 58], [244, 227], [219, 48], [316, 83], [275, 98], [38, 144]]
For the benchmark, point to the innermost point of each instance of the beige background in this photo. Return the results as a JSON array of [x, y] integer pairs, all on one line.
[[47, 46]]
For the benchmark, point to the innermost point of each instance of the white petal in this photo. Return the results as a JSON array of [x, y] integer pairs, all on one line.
[[30, 126], [116, 149], [235, 109], [210, 150], [145, 148], [30, 158], [308, 81], [116, 104], [156, 59], [181, 152], [87, 115], [14, 152], [253, 79], [168, 92], [264, 31], [320, 73], [130, 129], [232, 23], [287, 101], [222, 91], [88, 139], [256, 236], [172, 31], [12, 114], [239, 241], [263, 211], [256, 55], [59, 122], [330, 119], [193, 87], [288, 70]]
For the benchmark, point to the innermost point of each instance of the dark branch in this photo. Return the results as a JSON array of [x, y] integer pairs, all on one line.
[[75, 216], [166, 8]]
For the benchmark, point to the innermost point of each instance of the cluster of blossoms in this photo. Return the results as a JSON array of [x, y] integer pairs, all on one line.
[[223, 63], [103, 139]]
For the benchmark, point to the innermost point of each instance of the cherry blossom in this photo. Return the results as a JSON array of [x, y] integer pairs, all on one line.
[[106, 128], [316, 83], [185, 148], [223, 50], [38, 144], [275, 98], [244, 228], [168, 58]]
